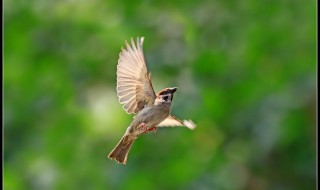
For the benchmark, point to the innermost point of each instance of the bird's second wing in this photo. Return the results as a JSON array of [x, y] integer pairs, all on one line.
[[134, 87], [172, 121]]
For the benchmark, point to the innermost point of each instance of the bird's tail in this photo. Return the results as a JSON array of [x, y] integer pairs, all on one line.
[[120, 152]]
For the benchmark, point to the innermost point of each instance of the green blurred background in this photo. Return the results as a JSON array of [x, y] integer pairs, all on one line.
[[246, 72]]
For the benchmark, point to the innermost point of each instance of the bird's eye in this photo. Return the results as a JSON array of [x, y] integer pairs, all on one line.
[[165, 98]]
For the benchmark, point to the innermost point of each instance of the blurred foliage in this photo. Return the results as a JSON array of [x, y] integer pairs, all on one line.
[[246, 72]]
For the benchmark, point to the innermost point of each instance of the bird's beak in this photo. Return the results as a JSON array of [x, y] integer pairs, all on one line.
[[173, 89]]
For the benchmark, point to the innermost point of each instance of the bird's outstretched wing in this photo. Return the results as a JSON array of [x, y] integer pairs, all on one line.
[[172, 121], [134, 87]]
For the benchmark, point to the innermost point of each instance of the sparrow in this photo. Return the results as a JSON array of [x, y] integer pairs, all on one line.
[[135, 92]]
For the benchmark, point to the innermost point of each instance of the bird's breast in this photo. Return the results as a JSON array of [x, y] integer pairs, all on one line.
[[151, 116]]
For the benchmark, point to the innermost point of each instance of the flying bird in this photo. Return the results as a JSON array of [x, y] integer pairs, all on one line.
[[135, 92]]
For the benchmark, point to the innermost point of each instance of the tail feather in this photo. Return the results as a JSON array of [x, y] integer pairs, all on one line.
[[120, 152]]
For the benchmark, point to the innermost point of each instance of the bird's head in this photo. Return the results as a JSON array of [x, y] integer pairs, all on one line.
[[166, 95]]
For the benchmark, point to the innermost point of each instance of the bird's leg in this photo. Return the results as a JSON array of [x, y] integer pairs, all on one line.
[[142, 127], [152, 129]]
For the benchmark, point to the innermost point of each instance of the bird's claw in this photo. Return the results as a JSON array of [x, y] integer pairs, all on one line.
[[143, 129], [152, 129]]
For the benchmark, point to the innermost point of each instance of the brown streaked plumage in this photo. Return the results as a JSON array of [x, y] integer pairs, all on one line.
[[135, 92]]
